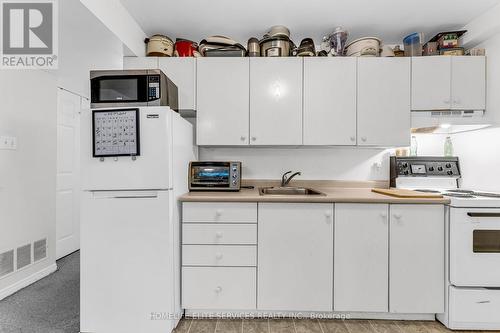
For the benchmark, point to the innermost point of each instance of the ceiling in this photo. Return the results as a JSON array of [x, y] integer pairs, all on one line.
[[390, 20]]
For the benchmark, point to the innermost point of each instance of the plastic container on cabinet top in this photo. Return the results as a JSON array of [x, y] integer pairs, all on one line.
[[413, 44]]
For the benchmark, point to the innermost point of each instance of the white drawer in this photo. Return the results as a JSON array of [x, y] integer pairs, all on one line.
[[474, 308], [219, 255], [228, 234], [233, 212], [219, 288]]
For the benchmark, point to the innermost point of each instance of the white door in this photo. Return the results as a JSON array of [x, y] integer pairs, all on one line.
[[384, 101], [182, 71], [276, 101], [222, 101], [140, 62], [295, 256], [330, 101], [127, 269], [431, 83], [68, 173], [416, 275], [361, 257], [468, 83]]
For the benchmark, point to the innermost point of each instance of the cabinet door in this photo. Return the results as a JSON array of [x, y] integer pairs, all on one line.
[[361, 257], [384, 101], [295, 257], [140, 62], [431, 85], [276, 101], [468, 83], [330, 101], [222, 101], [182, 71], [416, 259]]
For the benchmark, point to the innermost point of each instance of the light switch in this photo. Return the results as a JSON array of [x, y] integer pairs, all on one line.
[[8, 143]]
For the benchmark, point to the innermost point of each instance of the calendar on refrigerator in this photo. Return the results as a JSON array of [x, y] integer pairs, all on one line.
[[116, 132]]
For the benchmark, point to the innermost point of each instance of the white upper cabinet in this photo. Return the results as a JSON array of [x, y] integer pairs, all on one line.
[[222, 101], [416, 275], [468, 83], [275, 101], [431, 84], [182, 71], [295, 256], [330, 101], [361, 257], [140, 62], [383, 101], [448, 83]]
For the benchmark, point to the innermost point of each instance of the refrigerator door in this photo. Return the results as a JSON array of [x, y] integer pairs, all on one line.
[[127, 262], [150, 169]]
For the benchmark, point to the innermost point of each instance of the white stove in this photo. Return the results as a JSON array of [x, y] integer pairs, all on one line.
[[472, 298]]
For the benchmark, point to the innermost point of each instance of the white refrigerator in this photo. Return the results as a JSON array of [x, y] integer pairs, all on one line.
[[134, 167]]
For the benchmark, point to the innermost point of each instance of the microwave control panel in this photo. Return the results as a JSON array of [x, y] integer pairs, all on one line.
[[115, 132], [153, 87]]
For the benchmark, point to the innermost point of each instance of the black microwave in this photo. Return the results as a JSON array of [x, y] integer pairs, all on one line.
[[214, 176], [123, 88]]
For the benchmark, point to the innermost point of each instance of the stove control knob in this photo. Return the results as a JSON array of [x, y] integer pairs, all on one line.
[[449, 172], [448, 165], [440, 168], [406, 172], [431, 168], [405, 165]]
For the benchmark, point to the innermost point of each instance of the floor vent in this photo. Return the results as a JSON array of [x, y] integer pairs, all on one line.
[[40, 249], [6, 263], [23, 258]]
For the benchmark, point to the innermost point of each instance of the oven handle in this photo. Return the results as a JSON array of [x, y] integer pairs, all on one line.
[[476, 214]]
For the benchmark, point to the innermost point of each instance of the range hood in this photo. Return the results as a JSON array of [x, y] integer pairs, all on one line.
[[447, 121]]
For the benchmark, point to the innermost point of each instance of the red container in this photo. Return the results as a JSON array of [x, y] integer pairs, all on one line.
[[185, 48]]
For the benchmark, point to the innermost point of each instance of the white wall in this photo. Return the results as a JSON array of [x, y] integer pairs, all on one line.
[[334, 163], [84, 44], [27, 175]]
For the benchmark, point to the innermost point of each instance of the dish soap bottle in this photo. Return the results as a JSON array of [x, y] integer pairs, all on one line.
[[448, 147], [413, 146]]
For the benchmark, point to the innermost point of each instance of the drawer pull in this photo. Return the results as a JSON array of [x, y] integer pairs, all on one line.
[[218, 234], [218, 212], [472, 214], [218, 256], [483, 302], [218, 290]]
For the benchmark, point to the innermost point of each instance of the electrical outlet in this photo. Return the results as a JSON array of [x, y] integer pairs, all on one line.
[[8, 143]]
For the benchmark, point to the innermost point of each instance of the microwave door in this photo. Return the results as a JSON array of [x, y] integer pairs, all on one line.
[[119, 89]]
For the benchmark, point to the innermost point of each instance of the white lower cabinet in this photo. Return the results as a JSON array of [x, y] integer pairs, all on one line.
[[416, 275], [295, 256], [361, 257], [218, 288]]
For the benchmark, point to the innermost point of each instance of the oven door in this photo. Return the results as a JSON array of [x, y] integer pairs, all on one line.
[[210, 175], [475, 247], [119, 89]]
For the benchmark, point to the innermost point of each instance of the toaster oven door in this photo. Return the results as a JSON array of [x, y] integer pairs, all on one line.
[[210, 175]]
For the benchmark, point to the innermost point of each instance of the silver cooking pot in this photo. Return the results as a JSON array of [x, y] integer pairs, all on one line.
[[277, 46]]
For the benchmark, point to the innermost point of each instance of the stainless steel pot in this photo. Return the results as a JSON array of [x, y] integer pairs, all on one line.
[[278, 46], [159, 46], [253, 47]]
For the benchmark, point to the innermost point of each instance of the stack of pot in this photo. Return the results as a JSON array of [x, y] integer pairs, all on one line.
[[276, 42]]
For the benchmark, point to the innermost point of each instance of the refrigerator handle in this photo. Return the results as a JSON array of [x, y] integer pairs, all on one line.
[[125, 194]]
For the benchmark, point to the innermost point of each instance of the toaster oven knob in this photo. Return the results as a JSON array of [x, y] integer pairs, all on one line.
[[448, 165], [449, 172], [234, 182], [440, 168], [431, 168]]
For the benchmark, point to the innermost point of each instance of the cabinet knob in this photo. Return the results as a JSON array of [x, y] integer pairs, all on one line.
[[383, 215], [363, 138], [218, 256], [328, 214], [218, 212], [218, 289], [397, 216], [254, 138], [243, 138], [446, 101], [218, 234], [353, 138]]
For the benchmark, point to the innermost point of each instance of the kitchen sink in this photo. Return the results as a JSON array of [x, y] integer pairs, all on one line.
[[288, 191]]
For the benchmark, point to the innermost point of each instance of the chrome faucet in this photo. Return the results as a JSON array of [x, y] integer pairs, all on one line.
[[285, 180]]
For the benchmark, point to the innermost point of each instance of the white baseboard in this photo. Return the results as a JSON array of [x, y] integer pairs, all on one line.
[[193, 313], [27, 281]]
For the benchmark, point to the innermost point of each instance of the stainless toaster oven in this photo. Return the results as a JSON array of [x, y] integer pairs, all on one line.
[[214, 176]]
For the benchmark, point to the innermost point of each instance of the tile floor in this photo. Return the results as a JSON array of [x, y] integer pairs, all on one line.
[[308, 326]]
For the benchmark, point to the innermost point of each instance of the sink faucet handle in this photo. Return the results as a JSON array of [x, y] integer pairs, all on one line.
[[284, 177]]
